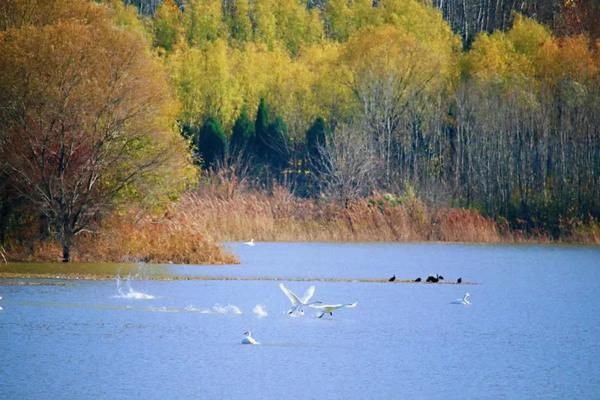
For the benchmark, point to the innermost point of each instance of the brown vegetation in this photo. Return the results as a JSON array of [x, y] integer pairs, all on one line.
[[130, 238], [233, 214], [228, 211], [282, 217]]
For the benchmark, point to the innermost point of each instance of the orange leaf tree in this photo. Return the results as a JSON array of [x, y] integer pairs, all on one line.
[[86, 118]]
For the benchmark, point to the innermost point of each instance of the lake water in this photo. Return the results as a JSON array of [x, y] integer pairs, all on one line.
[[532, 330]]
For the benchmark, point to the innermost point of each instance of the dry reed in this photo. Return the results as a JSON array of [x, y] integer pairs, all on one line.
[[282, 217]]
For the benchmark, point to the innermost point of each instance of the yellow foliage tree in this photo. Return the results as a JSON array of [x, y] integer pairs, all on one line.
[[203, 20]]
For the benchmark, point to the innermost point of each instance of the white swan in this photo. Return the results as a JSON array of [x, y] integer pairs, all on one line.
[[248, 339], [250, 243], [465, 300], [330, 308], [299, 303]]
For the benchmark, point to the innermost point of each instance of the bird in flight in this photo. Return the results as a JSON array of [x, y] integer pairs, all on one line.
[[330, 308], [299, 303]]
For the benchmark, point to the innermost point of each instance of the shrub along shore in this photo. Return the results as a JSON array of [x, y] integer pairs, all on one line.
[[189, 231]]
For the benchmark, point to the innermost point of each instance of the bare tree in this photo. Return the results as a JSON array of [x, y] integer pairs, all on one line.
[[348, 163]]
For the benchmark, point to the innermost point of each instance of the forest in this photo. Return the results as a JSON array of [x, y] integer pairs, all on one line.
[[154, 121]]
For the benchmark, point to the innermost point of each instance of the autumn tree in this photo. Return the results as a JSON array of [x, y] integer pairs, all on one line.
[[396, 76], [167, 25], [203, 21], [86, 120]]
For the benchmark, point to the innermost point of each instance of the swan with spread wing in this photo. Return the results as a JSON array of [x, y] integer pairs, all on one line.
[[297, 302]]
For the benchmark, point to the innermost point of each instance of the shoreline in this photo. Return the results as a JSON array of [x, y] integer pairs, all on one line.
[[107, 277]]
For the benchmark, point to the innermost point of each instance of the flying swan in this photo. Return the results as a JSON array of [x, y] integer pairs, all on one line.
[[330, 308], [248, 339], [299, 303]]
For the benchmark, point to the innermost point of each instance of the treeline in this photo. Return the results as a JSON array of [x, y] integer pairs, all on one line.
[[467, 18], [509, 127], [103, 108]]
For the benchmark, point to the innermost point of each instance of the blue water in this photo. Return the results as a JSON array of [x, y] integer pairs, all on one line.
[[532, 330]]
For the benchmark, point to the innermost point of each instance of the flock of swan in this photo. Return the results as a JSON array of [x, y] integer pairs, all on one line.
[[298, 305]]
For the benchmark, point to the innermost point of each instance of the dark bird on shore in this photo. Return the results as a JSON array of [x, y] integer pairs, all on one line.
[[459, 280], [418, 280], [434, 279], [392, 279]]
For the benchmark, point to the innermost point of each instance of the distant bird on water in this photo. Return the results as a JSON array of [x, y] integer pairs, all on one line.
[[465, 300], [459, 280], [392, 279], [248, 339], [250, 243], [418, 279]]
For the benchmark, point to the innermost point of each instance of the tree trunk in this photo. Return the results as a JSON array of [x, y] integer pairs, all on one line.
[[66, 252]]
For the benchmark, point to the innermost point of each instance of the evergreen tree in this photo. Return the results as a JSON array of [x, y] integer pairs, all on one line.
[[241, 136], [316, 140], [271, 144], [261, 130], [210, 143], [278, 145]]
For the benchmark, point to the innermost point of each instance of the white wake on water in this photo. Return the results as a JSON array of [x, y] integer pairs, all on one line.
[[260, 310], [228, 309], [216, 309]]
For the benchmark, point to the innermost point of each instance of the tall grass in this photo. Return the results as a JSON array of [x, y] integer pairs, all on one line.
[[282, 217], [231, 211]]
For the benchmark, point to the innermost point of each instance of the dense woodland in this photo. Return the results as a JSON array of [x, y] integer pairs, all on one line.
[[492, 106]]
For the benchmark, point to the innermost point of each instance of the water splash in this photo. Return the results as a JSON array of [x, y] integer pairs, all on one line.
[[228, 309], [162, 309], [130, 293], [260, 310], [191, 308]]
